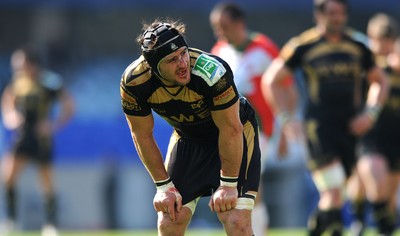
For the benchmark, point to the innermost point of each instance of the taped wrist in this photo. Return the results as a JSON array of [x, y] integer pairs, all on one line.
[[282, 118], [164, 185], [229, 181], [373, 111]]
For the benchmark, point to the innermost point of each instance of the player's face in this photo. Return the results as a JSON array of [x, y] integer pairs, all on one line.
[[381, 45], [175, 67], [334, 17], [224, 27]]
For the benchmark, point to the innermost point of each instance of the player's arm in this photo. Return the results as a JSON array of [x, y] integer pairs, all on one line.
[[142, 134], [12, 119], [282, 98], [379, 87], [230, 144], [67, 109], [167, 199], [377, 95], [230, 140]]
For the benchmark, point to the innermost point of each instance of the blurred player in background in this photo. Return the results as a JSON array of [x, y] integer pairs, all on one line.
[[27, 105], [334, 65], [214, 149], [249, 54], [377, 174]]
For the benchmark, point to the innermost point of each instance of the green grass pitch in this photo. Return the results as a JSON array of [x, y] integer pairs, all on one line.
[[192, 232]]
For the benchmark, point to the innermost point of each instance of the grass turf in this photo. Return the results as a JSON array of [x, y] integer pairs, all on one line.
[[192, 232]]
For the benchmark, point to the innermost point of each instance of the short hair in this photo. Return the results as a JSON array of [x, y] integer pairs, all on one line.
[[233, 10], [382, 25], [31, 54], [320, 5]]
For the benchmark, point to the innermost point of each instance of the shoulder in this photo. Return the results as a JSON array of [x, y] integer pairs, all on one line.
[[259, 40], [218, 46], [307, 37], [209, 67], [357, 35], [138, 72]]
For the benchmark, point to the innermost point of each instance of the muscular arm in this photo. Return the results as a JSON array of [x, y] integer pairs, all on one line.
[[67, 109], [12, 119], [230, 140], [377, 94], [282, 98], [379, 87], [142, 134]]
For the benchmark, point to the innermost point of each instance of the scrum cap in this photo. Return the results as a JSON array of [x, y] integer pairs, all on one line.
[[159, 42]]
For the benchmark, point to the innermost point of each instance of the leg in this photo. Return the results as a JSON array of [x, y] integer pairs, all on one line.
[[236, 222], [12, 167], [329, 181], [394, 178], [259, 215], [356, 194], [373, 171], [167, 227], [46, 176]]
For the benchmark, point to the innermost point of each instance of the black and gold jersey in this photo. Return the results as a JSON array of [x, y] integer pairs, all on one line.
[[186, 108], [390, 115], [34, 97], [333, 72]]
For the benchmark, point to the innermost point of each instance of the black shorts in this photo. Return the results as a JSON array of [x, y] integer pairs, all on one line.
[[34, 148], [385, 141], [194, 165], [329, 141]]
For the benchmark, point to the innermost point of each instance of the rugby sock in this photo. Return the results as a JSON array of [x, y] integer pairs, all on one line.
[[327, 222], [259, 219], [357, 211], [50, 209], [384, 219], [11, 203]]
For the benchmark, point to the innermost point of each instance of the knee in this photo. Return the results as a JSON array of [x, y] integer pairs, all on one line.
[[238, 219], [169, 227]]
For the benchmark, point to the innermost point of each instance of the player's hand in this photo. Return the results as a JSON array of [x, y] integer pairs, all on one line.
[[292, 130], [45, 128], [361, 124], [168, 200], [224, 199]]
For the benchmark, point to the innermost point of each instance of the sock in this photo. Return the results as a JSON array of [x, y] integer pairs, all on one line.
[[357, 209], [11, 203], [259, 219], [50, 209], [326, 222], [384, 219]]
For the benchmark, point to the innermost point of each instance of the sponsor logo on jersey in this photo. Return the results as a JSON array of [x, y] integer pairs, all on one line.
[[224, 97], [129, 102], [209, 69]]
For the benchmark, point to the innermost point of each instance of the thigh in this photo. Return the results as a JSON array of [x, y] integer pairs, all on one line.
[[328, 143], [194, 167]]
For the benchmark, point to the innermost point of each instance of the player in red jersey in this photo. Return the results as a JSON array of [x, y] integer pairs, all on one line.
[[249, 54]]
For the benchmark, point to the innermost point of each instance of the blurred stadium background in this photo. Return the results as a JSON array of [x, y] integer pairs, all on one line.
[[101, 183]]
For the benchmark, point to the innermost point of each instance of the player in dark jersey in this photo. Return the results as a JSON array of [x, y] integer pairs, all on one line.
[[378, 164], [27, 104], [214, 149], [248, 53], [333, 64]]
